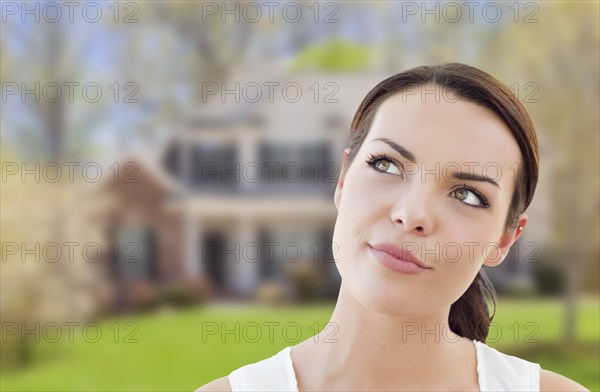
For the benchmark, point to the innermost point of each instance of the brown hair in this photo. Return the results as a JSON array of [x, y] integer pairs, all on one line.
[[469, 315]]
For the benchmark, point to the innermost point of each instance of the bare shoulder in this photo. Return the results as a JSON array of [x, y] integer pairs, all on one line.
[[218, 385], [550, 381]]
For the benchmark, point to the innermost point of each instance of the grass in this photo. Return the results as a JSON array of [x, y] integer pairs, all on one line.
[[177, 351]]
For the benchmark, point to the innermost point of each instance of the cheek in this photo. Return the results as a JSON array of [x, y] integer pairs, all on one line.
[[357, 204], [356, 216], [464, 241]]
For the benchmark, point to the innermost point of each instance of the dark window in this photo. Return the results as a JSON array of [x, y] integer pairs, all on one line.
[[315, 163], [213, 257], [268, 262], [136, 254], [214, 168], [172, 161], [274, 159], [295, 166]]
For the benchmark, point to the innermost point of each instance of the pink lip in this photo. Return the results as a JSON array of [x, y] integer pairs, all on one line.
[[397, 259]]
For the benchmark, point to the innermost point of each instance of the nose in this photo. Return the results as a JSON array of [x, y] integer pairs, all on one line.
[[412, 209]]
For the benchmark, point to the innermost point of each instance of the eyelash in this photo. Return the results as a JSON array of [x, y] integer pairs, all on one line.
[[482, 199], [374, 158]]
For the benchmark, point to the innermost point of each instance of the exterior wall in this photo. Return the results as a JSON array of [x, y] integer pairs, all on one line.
[[136, 271]]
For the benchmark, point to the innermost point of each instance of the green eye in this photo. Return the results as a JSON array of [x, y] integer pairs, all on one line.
[[462, 194], [382, 163]]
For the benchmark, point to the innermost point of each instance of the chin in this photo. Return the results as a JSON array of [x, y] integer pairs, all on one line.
[[386, 296]]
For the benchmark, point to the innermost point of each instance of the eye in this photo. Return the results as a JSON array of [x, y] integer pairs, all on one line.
[[383, 163], [467, 192]]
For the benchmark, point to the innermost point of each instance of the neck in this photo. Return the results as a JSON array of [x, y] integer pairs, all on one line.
[[362, 348]]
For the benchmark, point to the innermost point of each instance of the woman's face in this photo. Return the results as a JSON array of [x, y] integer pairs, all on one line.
[[420, 206]]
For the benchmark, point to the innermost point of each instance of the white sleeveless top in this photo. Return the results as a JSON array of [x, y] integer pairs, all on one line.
[[496, 371]]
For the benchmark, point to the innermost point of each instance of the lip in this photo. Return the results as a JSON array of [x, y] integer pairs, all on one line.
[[397, 259]]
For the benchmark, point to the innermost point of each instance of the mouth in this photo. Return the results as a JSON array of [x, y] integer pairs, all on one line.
[[397, 259]]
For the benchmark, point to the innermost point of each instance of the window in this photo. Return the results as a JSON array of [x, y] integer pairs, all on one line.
[[214, 167], [295, 167], [135, 253]]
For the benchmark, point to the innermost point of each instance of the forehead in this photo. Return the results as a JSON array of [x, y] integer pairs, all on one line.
[[445, 130]]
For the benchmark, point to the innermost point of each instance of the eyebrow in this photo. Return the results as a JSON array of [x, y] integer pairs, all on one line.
[[456, 175]]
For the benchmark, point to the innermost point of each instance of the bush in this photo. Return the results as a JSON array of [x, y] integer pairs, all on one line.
[[185, 293], [271, 292], [548, 272], [141, 296]]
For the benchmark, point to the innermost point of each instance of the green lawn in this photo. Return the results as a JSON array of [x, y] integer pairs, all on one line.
[[178, 351]]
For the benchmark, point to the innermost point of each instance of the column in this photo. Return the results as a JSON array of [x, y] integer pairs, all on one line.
[[193, 263], [246, 271]]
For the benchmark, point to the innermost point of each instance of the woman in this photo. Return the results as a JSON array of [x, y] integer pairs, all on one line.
[[442, 164]]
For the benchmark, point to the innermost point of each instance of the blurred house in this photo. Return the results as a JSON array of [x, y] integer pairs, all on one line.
[[240, 200], [239, 203]]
